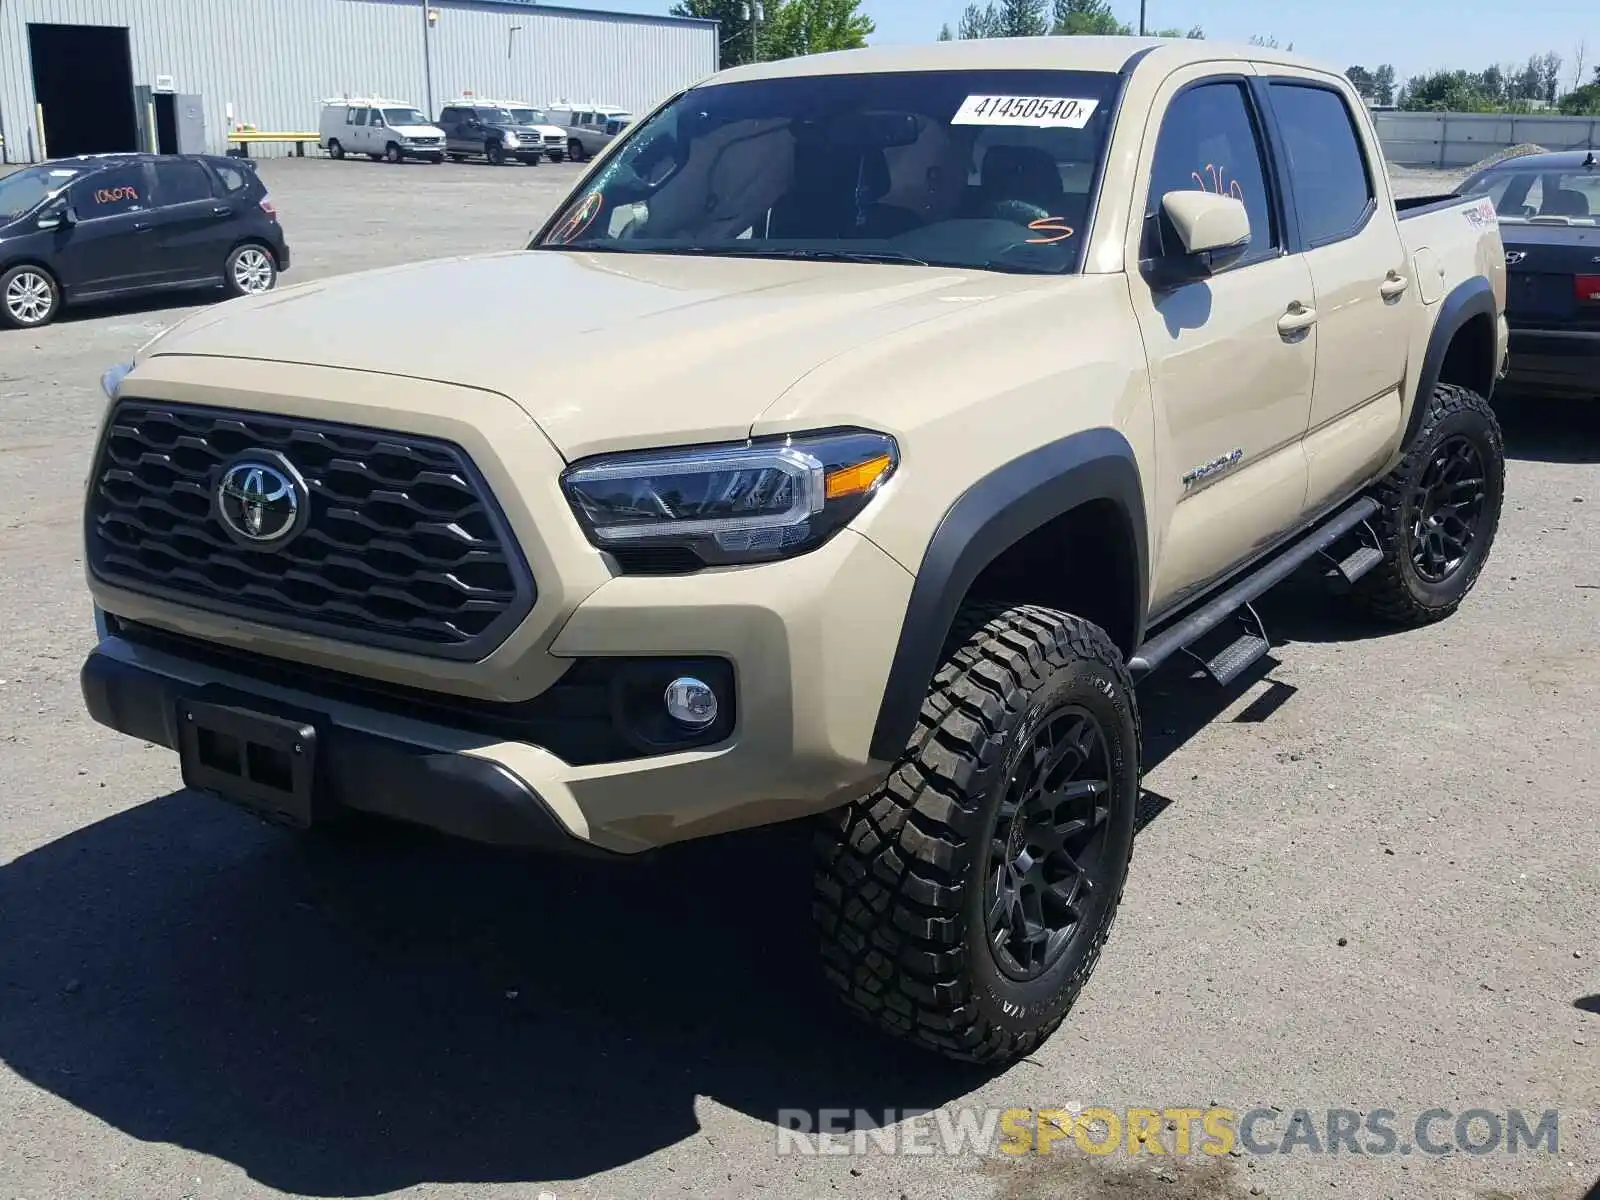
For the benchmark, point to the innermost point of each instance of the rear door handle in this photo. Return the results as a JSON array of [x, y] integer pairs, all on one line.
[[142, 226], [1394, 285], [1298, 319]]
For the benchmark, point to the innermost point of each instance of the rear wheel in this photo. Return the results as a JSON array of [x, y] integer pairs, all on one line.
[[335, 150], [29, 297], [557, 156], [1441, 510], [963, 904], [250, 271]]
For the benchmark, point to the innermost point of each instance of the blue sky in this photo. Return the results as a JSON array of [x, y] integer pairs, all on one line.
[[1415, 35]]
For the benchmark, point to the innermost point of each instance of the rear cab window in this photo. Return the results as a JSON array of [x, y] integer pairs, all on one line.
[[1328, 169], [989, 169], [233, 179], [1211, 141], [111, 192]]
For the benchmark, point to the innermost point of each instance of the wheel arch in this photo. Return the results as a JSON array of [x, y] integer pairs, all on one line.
[[1461, 348], [1061, 525]]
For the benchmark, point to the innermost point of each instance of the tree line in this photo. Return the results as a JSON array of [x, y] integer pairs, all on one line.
[[1037, 18], [1538, 84], [783, 28]]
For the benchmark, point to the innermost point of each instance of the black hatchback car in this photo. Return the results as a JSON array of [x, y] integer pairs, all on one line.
[[90, 228]]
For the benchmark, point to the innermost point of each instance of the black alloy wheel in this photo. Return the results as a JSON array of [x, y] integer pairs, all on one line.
[[1445, 508], [1046, 856]]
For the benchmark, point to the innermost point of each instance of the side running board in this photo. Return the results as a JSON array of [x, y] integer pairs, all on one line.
[[1252, 643]]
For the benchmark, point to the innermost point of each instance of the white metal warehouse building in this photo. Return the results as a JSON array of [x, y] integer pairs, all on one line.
[[83, 76]]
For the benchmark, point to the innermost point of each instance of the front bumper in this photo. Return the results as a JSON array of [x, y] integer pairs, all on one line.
[[387, 775], [808, 641], [1554, 362]]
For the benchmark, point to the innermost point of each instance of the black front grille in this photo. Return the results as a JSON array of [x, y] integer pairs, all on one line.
[[403, 546]]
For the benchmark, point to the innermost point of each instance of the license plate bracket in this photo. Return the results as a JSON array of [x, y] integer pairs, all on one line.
[[265, 763]]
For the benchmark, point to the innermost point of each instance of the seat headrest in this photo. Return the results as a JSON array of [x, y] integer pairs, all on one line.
[[1022, 173], [1565, 202]]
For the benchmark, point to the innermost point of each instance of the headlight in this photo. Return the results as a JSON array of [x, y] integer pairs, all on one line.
[[732, 504], [511, 139], [112, 379]]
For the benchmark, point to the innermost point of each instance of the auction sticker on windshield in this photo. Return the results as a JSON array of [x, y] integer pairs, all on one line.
[[1040, 112]]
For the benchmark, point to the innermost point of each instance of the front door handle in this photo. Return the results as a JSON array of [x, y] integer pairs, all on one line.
[[1298, 319], [222, 210]]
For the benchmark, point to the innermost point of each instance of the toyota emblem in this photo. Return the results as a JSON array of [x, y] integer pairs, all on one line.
[[261, 500]]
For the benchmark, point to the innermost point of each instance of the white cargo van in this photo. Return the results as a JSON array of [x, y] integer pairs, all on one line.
[[381, 129], [590, 127]]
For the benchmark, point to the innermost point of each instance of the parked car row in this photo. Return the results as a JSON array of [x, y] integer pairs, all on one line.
[[102, 226], [495, 131]]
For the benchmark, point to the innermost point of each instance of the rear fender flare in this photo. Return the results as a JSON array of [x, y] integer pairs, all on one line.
[[1467, 300], [988, 518]]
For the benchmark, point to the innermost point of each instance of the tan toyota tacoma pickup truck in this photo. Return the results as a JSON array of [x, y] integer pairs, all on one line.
[[918, 403]]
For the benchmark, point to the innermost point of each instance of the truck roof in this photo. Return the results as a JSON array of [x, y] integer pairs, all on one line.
[[1016, 54]]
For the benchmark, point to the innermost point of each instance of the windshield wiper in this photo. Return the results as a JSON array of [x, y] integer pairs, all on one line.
[[819, 255]]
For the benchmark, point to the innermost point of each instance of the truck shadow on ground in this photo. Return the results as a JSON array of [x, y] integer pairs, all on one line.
[[353, 1016]]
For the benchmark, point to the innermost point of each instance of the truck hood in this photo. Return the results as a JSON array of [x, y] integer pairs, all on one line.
[[604, 351]]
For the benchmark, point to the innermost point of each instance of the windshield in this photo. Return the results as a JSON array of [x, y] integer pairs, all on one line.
[[985, 169], [529, 116], [404, 116], [1570, 197], [495, 116], [22, 191]]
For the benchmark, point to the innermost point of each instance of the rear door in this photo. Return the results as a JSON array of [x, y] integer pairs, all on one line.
[[1366, 302], [193, 227], [109, 245]]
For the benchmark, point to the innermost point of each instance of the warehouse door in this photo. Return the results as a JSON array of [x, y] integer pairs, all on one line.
[[83, 79]]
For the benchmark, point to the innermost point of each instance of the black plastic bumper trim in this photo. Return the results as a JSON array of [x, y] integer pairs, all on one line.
[[456, 794]]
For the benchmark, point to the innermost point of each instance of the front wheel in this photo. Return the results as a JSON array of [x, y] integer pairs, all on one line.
[[495, 153], [392, 153], [575, 150], [963, 904], [335, 150], [1440, 512], [29, 297], [557, 156], [250, 271]]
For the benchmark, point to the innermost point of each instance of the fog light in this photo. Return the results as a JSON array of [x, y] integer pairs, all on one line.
[[691, 702]]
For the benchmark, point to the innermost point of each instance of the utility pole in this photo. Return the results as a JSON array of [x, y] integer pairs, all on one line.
[[1141, 18], [752, 10], [427, 57]]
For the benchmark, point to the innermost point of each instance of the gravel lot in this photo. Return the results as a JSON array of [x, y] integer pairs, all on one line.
[[1369, 881]]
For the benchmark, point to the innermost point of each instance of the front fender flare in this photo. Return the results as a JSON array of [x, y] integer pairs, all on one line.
[[989, 517]]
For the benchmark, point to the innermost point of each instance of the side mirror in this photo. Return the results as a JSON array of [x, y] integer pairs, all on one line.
[[59, 219], [1212, 231]]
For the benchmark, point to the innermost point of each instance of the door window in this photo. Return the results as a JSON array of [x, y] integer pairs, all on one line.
[[1210, 142], [109, 193], [179, 181], [361, 116], [1332, 187]]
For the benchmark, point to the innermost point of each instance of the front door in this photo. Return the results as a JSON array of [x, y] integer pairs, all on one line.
[[108, 246], [193, 228], [1366, 300], [1232, 358]]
